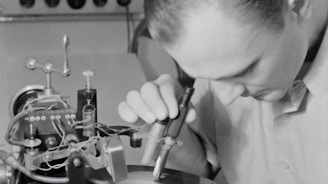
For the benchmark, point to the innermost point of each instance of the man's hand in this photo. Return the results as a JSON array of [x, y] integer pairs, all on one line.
[[156, 100]]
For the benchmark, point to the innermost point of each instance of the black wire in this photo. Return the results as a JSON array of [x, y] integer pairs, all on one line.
[[127, 14], [140, 31], [132, 21]]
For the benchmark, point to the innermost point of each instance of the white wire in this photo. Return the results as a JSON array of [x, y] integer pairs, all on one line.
[[57, 125], [54, 149], [60, 127], [62, 136], [44, 98], [80, 122], [56, 129]]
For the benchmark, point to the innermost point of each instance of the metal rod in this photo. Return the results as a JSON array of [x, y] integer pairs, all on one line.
[[48, 75]]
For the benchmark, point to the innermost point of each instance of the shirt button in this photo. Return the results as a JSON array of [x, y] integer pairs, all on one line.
[[285, 165], [298, 84]]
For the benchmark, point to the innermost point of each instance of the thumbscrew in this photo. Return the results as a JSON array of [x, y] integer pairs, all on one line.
[[88, 74]]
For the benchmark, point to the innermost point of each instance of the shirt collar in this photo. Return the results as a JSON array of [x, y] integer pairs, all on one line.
[[315, 81], [316, 78], [292, 100]]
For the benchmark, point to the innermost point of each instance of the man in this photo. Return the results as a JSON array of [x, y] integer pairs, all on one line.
[[261, 92]]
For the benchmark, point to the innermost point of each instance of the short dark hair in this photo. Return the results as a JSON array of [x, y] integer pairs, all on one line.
[[165, 17]]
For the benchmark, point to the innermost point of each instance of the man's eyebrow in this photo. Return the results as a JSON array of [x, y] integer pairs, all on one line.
[[245, 70]]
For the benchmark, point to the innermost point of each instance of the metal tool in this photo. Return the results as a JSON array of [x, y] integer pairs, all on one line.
[[172, 131]]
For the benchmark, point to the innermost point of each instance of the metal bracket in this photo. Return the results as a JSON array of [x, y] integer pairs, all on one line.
[[114, 158], [76, 168]]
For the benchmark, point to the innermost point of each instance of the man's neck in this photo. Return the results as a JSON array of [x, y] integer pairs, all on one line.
[[316, 26], [314, 48]]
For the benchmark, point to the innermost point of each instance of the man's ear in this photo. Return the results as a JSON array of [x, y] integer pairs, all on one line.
[[302, 8]]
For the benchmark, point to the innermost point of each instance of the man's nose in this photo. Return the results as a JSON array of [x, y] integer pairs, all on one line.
[[228, 92]]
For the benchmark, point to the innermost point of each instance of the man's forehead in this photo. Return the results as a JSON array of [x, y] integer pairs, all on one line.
[[210, 31], [213, 39]]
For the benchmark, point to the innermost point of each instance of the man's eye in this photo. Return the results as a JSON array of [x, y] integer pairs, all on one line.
[[245, 72], [248, 70]]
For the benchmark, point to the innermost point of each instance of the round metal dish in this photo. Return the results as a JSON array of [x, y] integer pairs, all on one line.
[[143, 175], [22, 96]]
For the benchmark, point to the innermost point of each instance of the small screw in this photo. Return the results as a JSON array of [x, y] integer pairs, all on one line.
[[48, 156], [37, 118], [31, 63], [77, 162], [88, 74], [32, 118], [43, 118]]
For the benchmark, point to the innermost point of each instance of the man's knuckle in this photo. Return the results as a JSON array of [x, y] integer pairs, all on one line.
[[148, 86], [164, 78], [132, 95]]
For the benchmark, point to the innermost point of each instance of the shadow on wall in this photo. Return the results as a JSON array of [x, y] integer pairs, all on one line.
[[153, 59]]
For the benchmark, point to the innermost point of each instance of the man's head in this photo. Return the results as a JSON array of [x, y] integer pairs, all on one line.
[[165, 17], [247, 47]]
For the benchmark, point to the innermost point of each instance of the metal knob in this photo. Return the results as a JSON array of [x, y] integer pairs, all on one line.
[[88, 74], [48, 68], [66, 71], [32, 64]]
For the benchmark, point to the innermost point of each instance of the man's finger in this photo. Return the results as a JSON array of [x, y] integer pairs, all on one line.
[[138, 105], [127, 113]]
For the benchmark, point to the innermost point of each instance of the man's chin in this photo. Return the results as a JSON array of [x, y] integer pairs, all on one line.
[[269, 96]]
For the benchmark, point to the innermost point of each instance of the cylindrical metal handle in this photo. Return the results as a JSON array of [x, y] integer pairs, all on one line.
[[175, 125], [155, 136], [66, 70]]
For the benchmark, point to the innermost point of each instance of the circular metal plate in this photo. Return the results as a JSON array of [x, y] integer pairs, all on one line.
[[21, 96], [143, 175]]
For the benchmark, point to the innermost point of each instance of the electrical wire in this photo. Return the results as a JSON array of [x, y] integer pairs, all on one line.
[[50, 150], [62, 144], [61, 132], [57, 125], [56, 129], [98, 124], [132, 20], [57, 166], [127, 15], [16, 120], [26, 110], [104, 131], [62, 135], [138, 128], [10, 160], [80, 122], [66, 106], [118, 131], [60, 127]]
